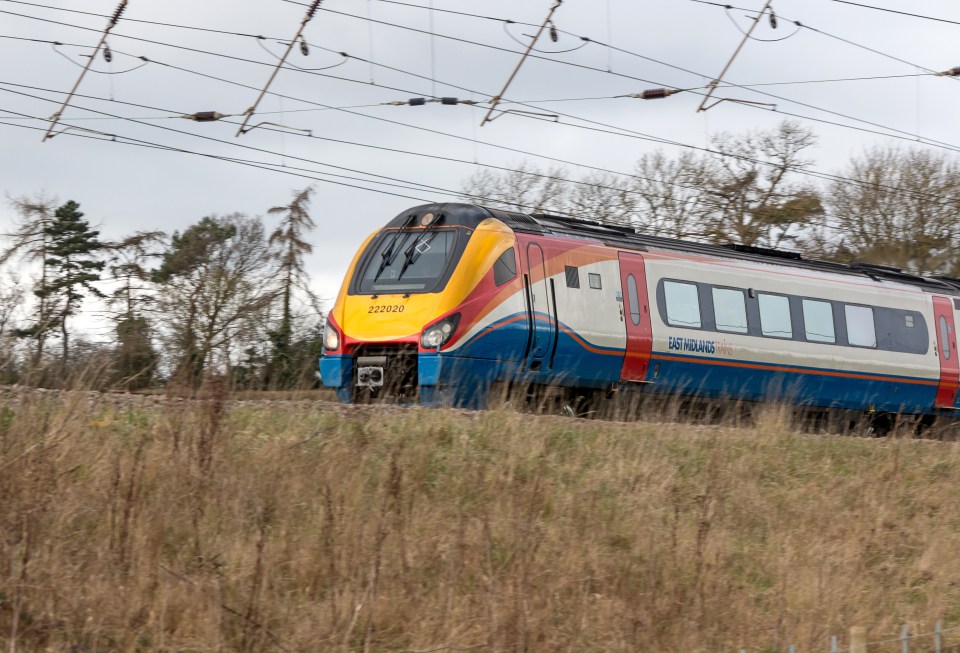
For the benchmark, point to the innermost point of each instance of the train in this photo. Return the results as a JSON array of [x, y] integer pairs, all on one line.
[[451, 304]]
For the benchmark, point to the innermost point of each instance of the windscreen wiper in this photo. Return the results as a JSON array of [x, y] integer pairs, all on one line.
[[388, 254], [414, 252]]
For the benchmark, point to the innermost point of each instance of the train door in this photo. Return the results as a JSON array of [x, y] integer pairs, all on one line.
[[636, 305], [947, 350], [542, 311]]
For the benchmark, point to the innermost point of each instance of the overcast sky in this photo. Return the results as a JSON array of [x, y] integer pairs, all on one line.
[[124, 188]]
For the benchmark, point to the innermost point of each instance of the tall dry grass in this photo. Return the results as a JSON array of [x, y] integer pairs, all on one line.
[[194, 526]]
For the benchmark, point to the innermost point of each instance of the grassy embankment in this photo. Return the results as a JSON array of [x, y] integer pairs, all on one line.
[[301, 528]]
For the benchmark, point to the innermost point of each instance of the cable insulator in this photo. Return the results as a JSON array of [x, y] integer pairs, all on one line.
[[953, 72], [304, 48], [553, 33], [118, 12], [313, 8], [449, 100], [417, 101], [204, 116], [656, 93], [107, 55], [773, 18]]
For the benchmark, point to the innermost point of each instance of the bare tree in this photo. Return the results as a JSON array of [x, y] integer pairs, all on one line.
[[750, 192], [603, 197], [670, 195], [526, 189], [29, 243], [904, 210], [289, 244], [216, 284], [11, 301], [135, 358]]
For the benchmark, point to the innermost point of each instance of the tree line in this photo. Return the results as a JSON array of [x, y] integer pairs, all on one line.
[[225, 296], [888, 206], [230, 296]]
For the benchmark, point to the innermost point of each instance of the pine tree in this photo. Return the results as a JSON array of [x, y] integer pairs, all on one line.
[[72, 266]]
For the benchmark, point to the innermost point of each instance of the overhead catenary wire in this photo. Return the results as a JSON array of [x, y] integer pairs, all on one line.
[[476, 16], [898, 12], [815, 174], [376, 147], [913, 137], [407, 183], [904, 135], [631, 132], [822, 32]]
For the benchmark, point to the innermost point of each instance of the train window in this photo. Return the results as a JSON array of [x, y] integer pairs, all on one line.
[[775, 316], [945, 337], [683, 304], [818, 321], [573, 276], [505, 267], [730, 310], [634, 299], [594, 280], [861, 331]]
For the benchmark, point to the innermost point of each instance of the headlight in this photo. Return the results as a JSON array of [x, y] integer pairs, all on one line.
[[331, 339], [437, 335]]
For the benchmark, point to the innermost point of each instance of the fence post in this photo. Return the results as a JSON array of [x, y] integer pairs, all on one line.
[[938, 637], [835, 645], [858, 639], [793, 648], [905, 639]]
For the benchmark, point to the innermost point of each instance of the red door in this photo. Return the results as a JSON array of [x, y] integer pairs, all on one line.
[[947, 349], [636, 316]]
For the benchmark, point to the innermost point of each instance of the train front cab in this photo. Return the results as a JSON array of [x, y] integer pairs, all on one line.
[[411, 294]]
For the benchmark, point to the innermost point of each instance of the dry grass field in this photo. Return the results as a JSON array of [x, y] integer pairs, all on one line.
[[210, 526]]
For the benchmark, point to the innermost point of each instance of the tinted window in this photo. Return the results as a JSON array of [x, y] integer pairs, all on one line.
[[818, 321], [730, 309], [945, 337], [634, 298], [775, 316], [408, 261], [683, 304], [594, 281], [861, 331], [573, 276], [505, 268]]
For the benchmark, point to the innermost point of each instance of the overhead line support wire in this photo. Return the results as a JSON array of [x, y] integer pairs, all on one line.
[[303, 24], [913, 136], [533, 41], [367, 116], [55, 118], [713, 84]]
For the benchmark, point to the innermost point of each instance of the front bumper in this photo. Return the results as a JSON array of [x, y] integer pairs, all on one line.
[[336, 370]]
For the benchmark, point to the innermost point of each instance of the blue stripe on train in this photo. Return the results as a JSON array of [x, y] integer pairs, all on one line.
[[806, 386], [462, 377]]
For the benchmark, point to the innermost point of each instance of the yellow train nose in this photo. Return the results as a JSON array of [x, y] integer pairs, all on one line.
[[388, 317]]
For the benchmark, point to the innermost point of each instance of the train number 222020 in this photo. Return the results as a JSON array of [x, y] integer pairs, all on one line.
[[386, 308]]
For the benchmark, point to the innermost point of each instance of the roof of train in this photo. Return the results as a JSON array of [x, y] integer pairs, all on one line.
[[471, 215]]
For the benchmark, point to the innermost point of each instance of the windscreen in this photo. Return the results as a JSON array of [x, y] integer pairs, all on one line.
[[408, 261]]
